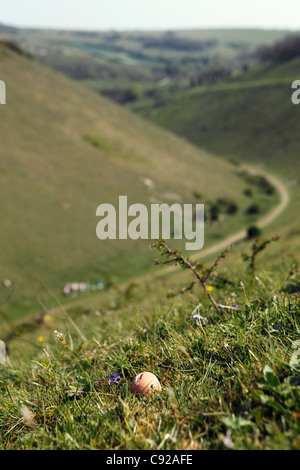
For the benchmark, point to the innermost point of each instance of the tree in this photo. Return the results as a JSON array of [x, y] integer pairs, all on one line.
[[282, 51]]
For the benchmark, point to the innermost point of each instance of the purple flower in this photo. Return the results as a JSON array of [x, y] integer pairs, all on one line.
[[114, 378], [234, 294], [235, 305]]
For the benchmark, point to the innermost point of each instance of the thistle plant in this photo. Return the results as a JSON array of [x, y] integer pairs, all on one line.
[[257, 247], [200, 272]]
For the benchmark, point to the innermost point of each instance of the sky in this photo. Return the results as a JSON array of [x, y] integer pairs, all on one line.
[[151, 14]]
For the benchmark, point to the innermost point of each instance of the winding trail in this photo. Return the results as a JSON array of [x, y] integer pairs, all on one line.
[[217, 247], [263, 222]]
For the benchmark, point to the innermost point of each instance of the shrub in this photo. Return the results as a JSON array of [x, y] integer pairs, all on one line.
[[232, 208], [92, 140], [229, 205], [209, 76], [253, 232], [197, 195], [248, 192], [259, 181], [282, 51], [214, 212], [253, 209]]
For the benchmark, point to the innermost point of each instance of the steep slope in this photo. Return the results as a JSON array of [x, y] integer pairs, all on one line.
[[65, 150], [250, 117]]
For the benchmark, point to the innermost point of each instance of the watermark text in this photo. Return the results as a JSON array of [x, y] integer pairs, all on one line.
[[162, 221], [296, 94], [2, 92]]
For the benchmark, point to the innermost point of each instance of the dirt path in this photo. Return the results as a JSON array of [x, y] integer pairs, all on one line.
[[263, 222], [217, 247]]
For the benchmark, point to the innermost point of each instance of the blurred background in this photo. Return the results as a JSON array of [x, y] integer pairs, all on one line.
[[160, 101]]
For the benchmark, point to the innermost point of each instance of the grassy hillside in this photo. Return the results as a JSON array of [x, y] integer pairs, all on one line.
[[250, 117], [247, 118], [229, 380], [65, 150], [225, 350]]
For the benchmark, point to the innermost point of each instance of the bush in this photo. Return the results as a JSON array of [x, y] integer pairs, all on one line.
[[232, 208], [253, 209], [209, 76], [214, 212], [282, 51], [257, 180], [253, 232], [228, 205], [197, 195], [123, 95], [248, 192]]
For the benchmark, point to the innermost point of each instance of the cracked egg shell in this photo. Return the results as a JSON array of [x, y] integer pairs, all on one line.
[[145, 383]]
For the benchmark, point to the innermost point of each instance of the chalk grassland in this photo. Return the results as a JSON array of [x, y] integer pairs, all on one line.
[[250, 117], [230, 382], [64, 151]]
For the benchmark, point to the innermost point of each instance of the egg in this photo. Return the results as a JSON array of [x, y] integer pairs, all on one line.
[[145, 383]]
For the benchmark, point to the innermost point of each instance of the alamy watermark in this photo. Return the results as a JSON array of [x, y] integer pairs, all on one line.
[[2, 352], [2, 92], [296, 94], [161, 221]]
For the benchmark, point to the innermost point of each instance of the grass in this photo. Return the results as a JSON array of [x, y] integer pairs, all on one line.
[[230, 376], [65, 150], [230, 382], [250, 117]]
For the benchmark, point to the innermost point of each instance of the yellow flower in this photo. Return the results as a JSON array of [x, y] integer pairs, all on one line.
[[209, 288], [41, 339], [48, 318]]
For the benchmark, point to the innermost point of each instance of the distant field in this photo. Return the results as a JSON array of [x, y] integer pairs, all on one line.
[[126, 66]]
